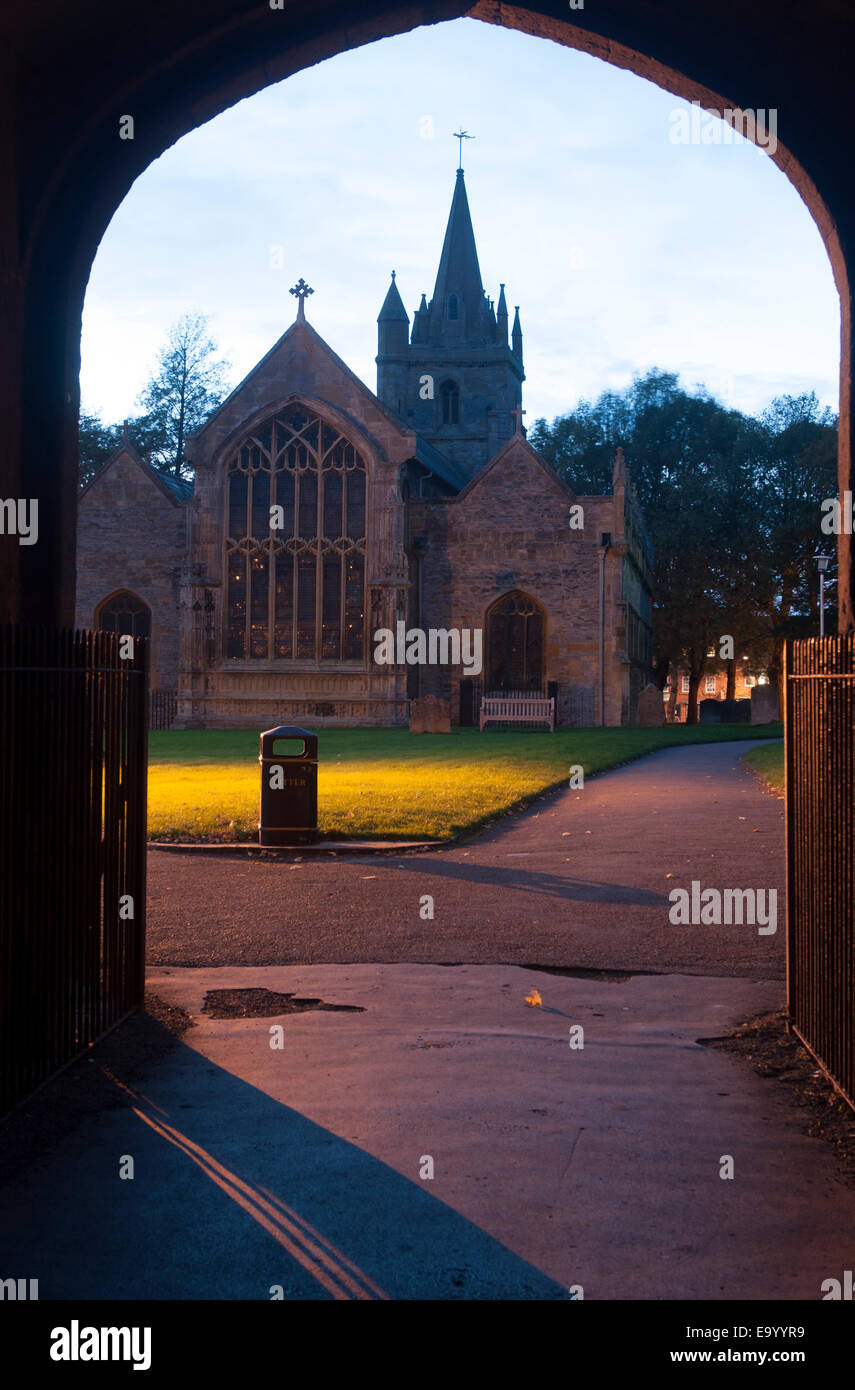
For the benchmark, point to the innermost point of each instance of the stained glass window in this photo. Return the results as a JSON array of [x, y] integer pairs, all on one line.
[[295, 544]]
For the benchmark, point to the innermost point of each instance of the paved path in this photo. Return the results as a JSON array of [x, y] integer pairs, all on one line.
[[580, 881], [553, 1167]]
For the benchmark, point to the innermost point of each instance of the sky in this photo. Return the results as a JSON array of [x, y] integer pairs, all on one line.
[[624, 249]]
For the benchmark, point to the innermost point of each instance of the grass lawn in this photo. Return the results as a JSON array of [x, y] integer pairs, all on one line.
[[769, 762], [204, 784]]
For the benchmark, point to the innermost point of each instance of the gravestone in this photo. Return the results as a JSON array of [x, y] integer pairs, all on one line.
[[711, 711], [764, 704], [735, 711], [430, 715], [651, 708]]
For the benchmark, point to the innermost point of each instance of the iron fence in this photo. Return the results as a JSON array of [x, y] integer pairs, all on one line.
[[73, 749], [163, 708], [820, 761]]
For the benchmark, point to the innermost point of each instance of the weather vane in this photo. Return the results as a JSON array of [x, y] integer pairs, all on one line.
[[461, 135], [301, 290]]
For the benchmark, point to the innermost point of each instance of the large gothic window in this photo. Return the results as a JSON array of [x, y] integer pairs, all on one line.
[[515, 643], [124, 613], [295, 543], [449, 397]]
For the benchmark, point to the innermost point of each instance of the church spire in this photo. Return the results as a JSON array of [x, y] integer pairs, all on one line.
[[458, 290], [460, 343], [516, 334], [502, 317], [392, 324], [393, 306]]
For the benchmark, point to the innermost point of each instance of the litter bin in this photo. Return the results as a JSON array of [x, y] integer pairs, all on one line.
[[289, 789]]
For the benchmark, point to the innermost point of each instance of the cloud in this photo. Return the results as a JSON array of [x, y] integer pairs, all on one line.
[[623, 250]]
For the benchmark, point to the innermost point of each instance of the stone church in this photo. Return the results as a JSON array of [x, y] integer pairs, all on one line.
[[322, 512]]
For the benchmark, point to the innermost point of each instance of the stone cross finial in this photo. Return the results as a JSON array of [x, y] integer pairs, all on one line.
[[126, 425], [518, 413], [301, 290]]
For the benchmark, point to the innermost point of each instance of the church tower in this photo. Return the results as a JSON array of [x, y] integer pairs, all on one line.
[[455, 380]]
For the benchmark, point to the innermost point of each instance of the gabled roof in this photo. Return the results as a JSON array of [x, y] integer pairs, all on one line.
[[302, 334], [513, 445], [177, 490]]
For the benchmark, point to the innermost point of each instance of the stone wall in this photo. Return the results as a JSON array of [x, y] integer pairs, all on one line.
[[219, 693], [131, 535], [509, 529]]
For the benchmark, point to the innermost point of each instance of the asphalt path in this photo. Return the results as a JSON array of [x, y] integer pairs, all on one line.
[[578, 882]]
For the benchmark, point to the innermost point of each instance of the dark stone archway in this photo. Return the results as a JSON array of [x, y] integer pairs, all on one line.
[[69, 73]]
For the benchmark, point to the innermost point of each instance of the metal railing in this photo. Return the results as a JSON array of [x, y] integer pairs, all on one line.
[[73, 750], [163, 708], [820, 760]]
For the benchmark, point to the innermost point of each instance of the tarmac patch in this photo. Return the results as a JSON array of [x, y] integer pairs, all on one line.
[[264, 1003]]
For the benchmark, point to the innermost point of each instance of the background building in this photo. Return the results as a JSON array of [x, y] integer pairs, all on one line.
[[321, 513]]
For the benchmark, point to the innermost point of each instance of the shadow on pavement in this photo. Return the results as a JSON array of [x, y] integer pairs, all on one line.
[[530, 881], [232, 1194]]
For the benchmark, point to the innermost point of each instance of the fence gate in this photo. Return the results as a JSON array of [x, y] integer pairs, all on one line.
[[820, 756], [73, 751]]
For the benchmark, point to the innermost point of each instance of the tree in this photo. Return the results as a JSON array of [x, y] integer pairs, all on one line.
[[732, 505], [799, 470], [188, 383], [96, 442], [676, 442]]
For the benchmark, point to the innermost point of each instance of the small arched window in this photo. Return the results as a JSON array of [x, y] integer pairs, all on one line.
[[453, 310], [449, 398], [124, 613]]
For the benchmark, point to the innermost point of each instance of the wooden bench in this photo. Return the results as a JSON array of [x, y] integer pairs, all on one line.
[[514, 709]]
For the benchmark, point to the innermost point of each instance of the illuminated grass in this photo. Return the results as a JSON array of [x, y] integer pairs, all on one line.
[[769, 762], [203, 784]]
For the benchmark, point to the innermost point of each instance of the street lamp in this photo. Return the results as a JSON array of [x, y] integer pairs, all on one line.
[[822, 563]]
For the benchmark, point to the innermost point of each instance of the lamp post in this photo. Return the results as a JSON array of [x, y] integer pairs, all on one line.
[[822, 563]]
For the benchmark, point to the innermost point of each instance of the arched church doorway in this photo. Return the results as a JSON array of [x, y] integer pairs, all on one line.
[[515, 643]]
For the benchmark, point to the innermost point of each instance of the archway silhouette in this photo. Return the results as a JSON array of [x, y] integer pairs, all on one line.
[[77, 169]]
